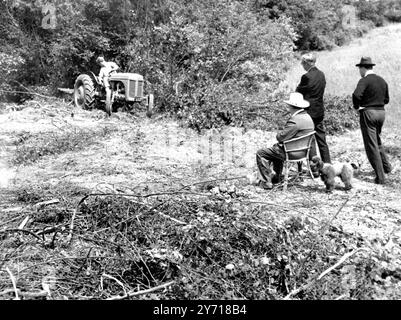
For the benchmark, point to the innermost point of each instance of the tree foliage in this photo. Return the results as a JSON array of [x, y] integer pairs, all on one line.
[[209, 62]]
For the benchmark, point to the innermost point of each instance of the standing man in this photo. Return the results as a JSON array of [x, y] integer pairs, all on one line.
[[107, 68], [369, 98], [312, 86], [299, 124]]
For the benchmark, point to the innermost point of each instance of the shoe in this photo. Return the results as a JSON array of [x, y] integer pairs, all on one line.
[[277, 178], [388, 170], [377, 181], [266, 185]]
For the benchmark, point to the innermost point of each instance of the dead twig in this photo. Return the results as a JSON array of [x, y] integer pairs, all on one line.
[[14, 283], [9, 221], [41, 293], [46, 203], [104, 275], [324, 273], [69, 237], [138, 293], [210, 181], [341, 261], [168, 217], [21, 230], [23, 223]]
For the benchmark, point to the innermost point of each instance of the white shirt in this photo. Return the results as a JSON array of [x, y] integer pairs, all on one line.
[[368, 72], [105, 71]]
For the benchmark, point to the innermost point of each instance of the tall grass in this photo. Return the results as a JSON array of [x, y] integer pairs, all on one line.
[[383, 45]]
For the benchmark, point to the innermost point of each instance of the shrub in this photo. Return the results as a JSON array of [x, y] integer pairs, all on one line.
[[372, 11], [393, 10], [9, 66], [230, 68], [339, 114]]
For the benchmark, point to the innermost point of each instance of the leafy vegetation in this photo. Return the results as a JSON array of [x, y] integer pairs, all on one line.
[[221, 250], [340, 115], [209, 62]]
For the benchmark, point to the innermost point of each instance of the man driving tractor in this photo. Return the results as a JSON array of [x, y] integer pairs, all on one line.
[[107, 68]]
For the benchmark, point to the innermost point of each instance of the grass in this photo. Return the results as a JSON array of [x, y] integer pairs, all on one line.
[[383, 45]]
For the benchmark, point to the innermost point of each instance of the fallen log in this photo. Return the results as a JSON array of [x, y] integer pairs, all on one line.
[[66, 90]]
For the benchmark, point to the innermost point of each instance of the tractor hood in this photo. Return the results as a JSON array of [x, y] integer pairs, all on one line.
[[125, 76]]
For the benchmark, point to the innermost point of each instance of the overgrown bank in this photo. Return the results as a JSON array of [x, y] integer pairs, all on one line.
[[211, 63]]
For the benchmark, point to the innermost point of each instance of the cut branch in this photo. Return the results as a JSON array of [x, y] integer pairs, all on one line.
[[138, 293]]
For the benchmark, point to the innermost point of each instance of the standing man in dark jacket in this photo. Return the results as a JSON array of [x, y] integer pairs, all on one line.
[[312, 86], [369, 98]]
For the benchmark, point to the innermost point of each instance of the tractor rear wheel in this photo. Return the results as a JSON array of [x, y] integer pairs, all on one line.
[[84, 92]]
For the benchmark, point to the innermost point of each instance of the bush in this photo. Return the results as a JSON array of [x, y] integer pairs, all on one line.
[[339, 114], [393, 10], [9, 66], [371, 11], [243, 62]]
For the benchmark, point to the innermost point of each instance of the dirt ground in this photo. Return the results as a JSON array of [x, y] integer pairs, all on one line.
[[157, 155]]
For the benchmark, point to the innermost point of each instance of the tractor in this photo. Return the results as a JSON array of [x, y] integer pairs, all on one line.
[[126, 91]]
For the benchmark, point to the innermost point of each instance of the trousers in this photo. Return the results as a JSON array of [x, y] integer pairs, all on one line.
[[320, 138], [371, 122], [276, 155]]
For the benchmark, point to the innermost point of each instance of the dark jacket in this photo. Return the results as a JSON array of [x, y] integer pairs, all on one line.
[[299, 124], [312, 87], [371, 91]]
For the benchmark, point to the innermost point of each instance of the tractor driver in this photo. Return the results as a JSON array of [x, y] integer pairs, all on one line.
[[107, 68]]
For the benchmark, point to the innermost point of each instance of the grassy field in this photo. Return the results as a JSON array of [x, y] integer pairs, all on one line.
[[383, 45]]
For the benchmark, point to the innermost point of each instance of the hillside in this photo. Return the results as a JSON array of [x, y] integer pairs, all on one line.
[[136, 203], [383, 45]]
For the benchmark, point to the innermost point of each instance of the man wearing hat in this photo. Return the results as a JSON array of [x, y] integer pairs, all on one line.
[[107, 68], [369, 98], [299, 124], [312, 86]]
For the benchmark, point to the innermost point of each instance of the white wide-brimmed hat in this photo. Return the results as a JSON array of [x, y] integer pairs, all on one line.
[[297, 100]]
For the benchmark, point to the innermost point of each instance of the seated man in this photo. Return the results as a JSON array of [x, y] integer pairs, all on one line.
[[299, 124], [106, 69]]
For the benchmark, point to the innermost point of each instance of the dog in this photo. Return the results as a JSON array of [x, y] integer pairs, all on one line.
[[328, 172]]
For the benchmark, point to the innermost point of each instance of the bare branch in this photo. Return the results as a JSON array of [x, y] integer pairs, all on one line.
[[138, 293]]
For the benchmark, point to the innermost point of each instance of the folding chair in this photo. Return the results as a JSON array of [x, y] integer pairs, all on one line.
[[297, 150]]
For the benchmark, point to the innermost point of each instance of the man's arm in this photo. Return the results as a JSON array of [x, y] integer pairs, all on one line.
[[101, 73], [289, 131], [386, 96], [303, 86], [358, 93], [114, 66]]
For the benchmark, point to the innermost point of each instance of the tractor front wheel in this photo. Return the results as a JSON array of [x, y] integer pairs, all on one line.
[[109, 102], [84, 92], [149, 111]]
